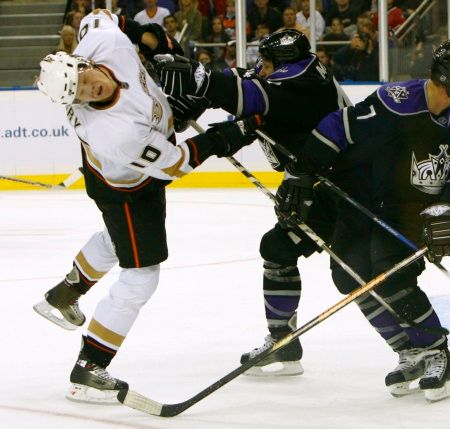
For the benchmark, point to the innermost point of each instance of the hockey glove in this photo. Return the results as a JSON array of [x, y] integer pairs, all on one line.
[[294, 198], [180, 76], [234, 135], [186, 108], [436, 231]]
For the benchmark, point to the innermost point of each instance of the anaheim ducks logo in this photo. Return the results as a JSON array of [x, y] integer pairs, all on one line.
[[157, 112], [430, 175], [397, 93], [143, 81]]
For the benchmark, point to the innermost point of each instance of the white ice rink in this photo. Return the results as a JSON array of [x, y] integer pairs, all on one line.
[[207, 310]]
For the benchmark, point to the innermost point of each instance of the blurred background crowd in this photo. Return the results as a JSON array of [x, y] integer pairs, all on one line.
[[346, 30]]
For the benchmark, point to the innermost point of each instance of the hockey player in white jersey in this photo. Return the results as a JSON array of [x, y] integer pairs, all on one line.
[[125, 127]]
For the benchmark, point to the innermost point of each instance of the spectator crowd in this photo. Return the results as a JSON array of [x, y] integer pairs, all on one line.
[[346, 30]]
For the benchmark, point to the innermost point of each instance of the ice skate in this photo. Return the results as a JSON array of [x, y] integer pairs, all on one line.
[[93, 384], [436, 381], [411, 366], [60, 306], [285, 361]]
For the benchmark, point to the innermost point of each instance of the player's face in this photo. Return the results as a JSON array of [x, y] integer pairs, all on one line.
[[94, 85], [266, 68]]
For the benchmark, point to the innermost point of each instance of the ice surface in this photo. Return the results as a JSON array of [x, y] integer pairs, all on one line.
[[207, 310]]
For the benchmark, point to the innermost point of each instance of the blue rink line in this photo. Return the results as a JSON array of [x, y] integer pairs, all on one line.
[[344, 82], [18, 88], [441, 304]]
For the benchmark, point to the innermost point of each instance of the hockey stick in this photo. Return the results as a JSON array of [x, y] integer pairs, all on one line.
[[183, 30], [28, 182], [76, 175], [141, 403], [314, 237], [350, 200]]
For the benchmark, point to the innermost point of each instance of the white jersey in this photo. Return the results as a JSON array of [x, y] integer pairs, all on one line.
[[158, 17], [125, 141]]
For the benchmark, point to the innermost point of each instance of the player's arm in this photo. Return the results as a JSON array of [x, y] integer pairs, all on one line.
[[229, 90], [151, 38], [244, 96], [368, 124], [98, 19], [159, 158]]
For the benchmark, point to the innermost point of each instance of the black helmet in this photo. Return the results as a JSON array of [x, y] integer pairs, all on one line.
[[440, 67], [284, 46]]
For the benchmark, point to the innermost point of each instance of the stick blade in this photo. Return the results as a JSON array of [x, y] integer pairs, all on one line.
[[69, 181], [139, 402]]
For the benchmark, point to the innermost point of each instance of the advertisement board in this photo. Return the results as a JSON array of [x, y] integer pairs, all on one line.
[[37, 143]]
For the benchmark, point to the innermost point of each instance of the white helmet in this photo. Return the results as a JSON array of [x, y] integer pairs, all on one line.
[[59, 76]]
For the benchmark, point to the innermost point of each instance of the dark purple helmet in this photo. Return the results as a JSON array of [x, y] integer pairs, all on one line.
[[284, 46]]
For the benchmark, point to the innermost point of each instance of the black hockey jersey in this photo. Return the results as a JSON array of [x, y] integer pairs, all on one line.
[[293, 99], [407, 146]]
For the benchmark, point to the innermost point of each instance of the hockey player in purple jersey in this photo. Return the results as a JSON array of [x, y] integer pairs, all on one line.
[[294, 91], [403, 131]]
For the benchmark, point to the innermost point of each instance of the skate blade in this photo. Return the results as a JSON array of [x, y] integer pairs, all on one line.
[[276, 369], [51, 313], [91, 395], [435, 395], [404, 389]]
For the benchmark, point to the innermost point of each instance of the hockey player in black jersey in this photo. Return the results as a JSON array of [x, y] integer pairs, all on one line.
[[293, 91], [403, 131]]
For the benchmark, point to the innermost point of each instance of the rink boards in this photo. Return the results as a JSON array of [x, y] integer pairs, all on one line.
[[37, 143]]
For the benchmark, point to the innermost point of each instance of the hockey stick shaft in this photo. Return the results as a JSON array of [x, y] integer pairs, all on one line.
[[149, 406], [27, 182], [367, 212], [183, 30], [64, 184]]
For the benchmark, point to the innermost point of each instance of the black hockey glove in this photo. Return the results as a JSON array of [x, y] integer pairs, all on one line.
[[186, 108], [180, 76], [295, 198], [233, 136], [436, 231]]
